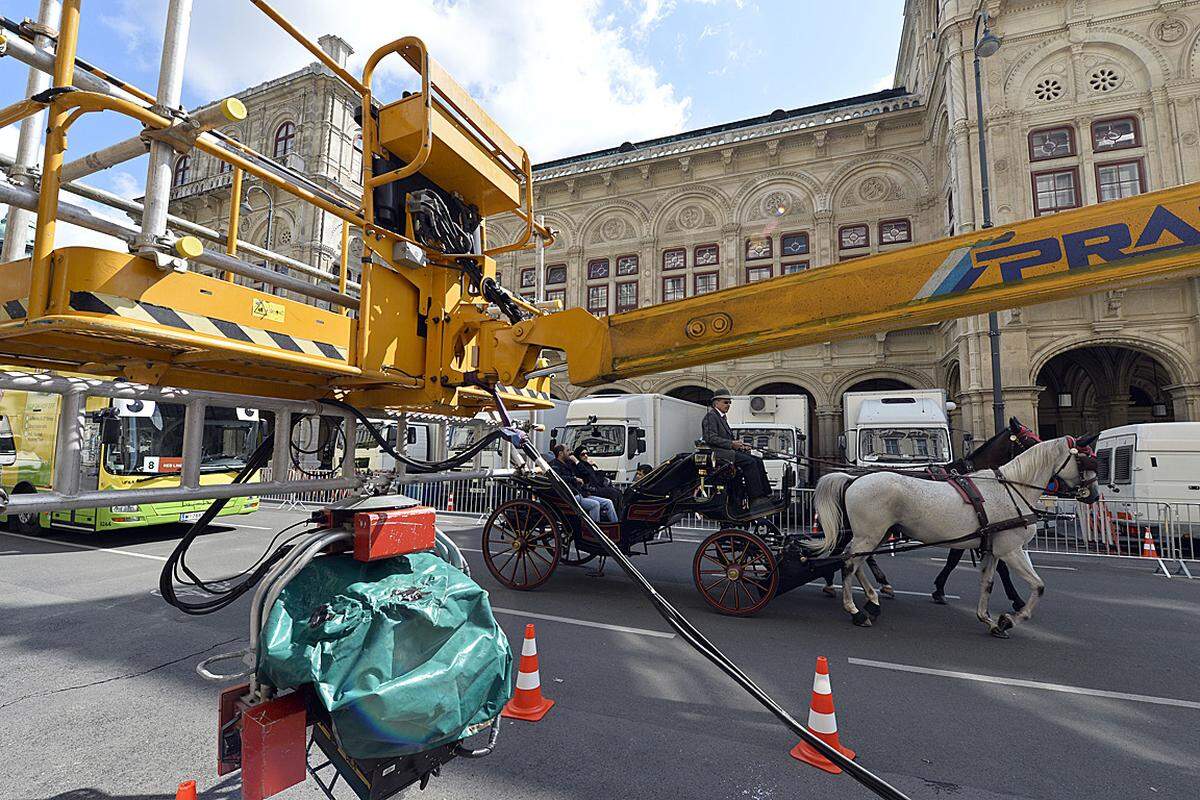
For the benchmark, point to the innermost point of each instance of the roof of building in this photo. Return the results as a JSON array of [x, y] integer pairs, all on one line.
[[776, 118]]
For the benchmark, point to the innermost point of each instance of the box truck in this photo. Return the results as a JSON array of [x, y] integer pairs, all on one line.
[[622, 431], [901, 428], [775, 423]]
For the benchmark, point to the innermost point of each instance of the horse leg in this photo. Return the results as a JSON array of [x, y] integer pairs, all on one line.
[[1018, 561], [987, 569], [871, 606], [849, 569], [885, 586]]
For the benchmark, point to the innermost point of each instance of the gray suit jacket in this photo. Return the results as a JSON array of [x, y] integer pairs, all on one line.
[[716, 433]]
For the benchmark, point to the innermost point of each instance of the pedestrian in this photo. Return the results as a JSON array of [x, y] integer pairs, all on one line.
[[885, 588]]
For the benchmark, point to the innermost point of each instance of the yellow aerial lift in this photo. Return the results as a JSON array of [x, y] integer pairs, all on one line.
[[429, 328]]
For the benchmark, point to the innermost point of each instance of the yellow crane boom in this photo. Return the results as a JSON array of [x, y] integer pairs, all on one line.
[[1146, 238]]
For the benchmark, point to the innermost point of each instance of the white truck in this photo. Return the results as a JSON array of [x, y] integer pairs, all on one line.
[[775, 423], [497, 455], [1152, 461], [899, 428], [420, 441], [622, 431]]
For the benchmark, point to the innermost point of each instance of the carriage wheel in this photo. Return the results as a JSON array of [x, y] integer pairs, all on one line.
[[735, 572], [571, 555], [521, 544]]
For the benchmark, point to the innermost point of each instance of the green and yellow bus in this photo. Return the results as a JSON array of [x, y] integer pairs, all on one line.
[[148, 455]]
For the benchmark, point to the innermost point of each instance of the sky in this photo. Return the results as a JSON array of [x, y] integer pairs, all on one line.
[[562, 76]]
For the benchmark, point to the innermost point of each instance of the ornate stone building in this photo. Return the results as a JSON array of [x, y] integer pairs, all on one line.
[[1086, 100]]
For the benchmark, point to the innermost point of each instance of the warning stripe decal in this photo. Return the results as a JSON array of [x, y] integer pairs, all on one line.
[[113, 305], [524, 392]]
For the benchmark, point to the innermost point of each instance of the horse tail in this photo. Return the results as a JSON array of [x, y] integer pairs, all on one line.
[[828, 499]]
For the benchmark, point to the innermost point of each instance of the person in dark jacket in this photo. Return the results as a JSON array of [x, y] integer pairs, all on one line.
[[717, 434], [596, 507], [594, 483]]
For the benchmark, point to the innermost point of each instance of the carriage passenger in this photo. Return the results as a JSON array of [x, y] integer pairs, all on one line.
[[595, 484], [600, 509]]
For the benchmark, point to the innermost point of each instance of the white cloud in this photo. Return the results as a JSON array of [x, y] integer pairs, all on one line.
[[562, 78], [652, 13], [886, 82], [69, 235]]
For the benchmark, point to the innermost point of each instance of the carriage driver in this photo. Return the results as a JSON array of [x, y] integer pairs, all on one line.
[[717, 434]]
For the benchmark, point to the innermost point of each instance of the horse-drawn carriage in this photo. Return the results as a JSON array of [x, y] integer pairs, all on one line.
[[737, 570]]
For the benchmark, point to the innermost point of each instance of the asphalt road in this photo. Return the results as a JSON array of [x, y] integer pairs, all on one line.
[[1097, 697]]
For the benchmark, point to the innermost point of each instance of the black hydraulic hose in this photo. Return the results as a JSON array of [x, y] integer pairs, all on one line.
[[166, 578], [422, 467], [698, 641]]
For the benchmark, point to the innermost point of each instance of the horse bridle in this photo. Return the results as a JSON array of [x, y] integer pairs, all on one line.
[[1086, 460]]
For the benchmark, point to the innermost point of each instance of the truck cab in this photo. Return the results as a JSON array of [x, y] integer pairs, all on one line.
[[622, 431], [902, 428], [774, 424]]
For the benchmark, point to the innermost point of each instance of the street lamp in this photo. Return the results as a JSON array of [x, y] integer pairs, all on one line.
[[247, 209], [987, 44]]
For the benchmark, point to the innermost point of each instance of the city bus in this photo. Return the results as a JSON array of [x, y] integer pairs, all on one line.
[[144, 450]]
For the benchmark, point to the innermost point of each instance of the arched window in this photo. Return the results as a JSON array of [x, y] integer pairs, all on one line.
[[285, 139], [181, 171]]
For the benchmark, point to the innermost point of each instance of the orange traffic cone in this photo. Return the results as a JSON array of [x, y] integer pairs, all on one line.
[[527, 703], [450, 502], [186, 791], [822, 722], [1148, 549]]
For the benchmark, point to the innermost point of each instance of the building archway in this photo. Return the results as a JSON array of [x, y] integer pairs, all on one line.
[[879, 385], [692, 393], [1088, 389]]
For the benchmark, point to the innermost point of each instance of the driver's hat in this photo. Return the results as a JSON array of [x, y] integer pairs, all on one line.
[[721, 394]]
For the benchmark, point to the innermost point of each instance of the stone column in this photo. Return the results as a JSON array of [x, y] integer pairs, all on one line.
[[824, 441], [1185, 397], [824, 247]]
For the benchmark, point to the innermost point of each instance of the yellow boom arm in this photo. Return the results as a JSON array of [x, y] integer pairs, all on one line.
[[1146, 238]]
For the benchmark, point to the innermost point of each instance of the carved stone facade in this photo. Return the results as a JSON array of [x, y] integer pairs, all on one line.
[[306, 121], [650, 222]]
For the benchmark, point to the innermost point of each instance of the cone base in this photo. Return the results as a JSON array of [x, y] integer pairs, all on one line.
[[529, 714], [809, 755]]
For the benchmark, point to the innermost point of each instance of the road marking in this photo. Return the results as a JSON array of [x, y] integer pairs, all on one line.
[[897, 591], [248, 527], [1050, 687], [1035, 566], [586, 623], [113, 550]]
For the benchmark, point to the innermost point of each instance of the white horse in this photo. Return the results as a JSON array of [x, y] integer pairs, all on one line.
[[933, 512]]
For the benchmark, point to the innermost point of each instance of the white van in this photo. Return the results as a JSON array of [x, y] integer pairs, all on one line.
[[1151, 461], [777, 423]]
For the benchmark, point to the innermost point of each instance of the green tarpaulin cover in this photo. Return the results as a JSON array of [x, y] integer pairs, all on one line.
[[404, 653]]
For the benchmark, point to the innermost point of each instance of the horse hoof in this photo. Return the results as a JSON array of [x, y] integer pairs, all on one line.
[[887, 591], [873, 609], [861, 619], [939, 598], [830, 591], [999, 632], [1004, 623]]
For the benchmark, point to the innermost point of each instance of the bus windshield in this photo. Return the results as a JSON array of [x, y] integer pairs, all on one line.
[[904, 445], [600, 440], [154, 444], [777, 440]]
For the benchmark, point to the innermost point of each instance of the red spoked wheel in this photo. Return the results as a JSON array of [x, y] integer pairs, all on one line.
[[521, 544], [735, 572]]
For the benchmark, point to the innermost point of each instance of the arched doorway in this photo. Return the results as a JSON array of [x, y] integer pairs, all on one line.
[[787, 388], [692, 393], [879, 385], [607, 392], [1089, 389]]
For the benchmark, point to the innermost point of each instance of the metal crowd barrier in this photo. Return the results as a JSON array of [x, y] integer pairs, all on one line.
[[1109, 528]]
